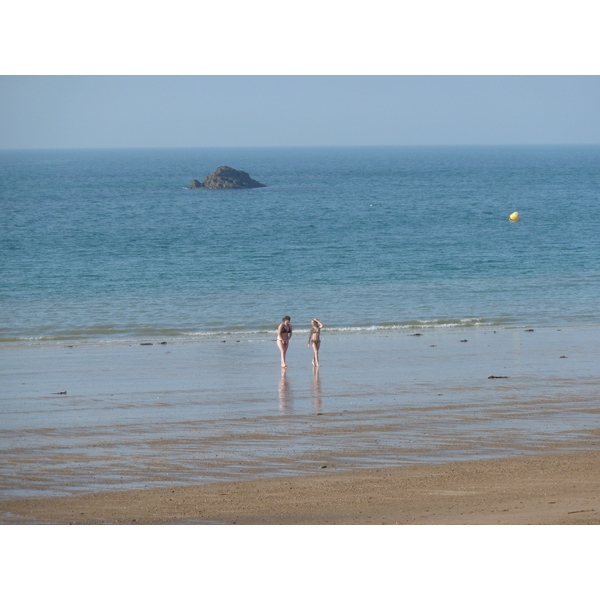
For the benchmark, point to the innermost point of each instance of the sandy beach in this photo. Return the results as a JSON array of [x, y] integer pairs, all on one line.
[[451, 427], [554, 489]]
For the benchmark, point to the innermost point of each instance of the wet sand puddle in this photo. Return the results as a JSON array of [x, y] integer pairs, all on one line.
[[265, 423], [128, 456]]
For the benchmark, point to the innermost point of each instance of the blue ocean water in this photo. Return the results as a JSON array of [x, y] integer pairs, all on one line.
[[111, 245]]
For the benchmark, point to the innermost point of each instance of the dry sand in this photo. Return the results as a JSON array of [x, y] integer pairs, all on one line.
[[550, 489]]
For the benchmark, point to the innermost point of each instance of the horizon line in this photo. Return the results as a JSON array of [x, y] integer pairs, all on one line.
[[274, 146]]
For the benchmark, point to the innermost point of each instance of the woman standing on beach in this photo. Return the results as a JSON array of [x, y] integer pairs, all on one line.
[[284, 334], [314, 338]]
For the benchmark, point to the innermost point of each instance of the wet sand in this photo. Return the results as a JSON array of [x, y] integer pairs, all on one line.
[[444, 430], [553, 489]]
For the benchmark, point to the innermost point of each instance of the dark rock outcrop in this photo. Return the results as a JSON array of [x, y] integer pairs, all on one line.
[[226, 178]]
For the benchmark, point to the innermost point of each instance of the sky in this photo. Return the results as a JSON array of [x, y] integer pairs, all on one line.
[[88, 111], [327, 73]]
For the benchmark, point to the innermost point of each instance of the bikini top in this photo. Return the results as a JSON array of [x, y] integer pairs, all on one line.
[[285, 329]]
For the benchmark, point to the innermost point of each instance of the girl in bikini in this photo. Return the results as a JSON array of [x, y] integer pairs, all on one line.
[[284, 334], [314, 338]]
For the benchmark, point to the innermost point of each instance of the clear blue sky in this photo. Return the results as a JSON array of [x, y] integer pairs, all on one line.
[[210, 111]]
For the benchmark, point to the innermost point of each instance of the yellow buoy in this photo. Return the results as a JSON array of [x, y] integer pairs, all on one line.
[[514, 217]]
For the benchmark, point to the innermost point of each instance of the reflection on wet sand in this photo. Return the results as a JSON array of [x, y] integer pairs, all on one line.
[[133, 414], [285, 394], [316, 390]]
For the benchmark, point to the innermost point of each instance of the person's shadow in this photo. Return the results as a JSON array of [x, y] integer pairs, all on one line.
[[285, 394]]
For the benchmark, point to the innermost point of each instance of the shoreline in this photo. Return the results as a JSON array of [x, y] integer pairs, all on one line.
[[271, 335], [550, 489]]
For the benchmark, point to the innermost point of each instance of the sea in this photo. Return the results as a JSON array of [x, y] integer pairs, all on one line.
[[111, 245]]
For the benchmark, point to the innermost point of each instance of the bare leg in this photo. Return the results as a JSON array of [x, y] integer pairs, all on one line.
[[316, 354], [283, 347]]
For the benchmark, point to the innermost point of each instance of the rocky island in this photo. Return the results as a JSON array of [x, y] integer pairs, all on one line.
[[226, 178]]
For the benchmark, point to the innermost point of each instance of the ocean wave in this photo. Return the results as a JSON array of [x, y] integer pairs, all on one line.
[[123, 334], [419, 324], [404, 325]]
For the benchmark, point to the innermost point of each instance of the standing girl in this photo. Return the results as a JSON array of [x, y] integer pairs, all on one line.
[[284, 334], [314, 339]]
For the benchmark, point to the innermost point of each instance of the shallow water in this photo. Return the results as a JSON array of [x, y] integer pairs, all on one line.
[[193, 412]]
